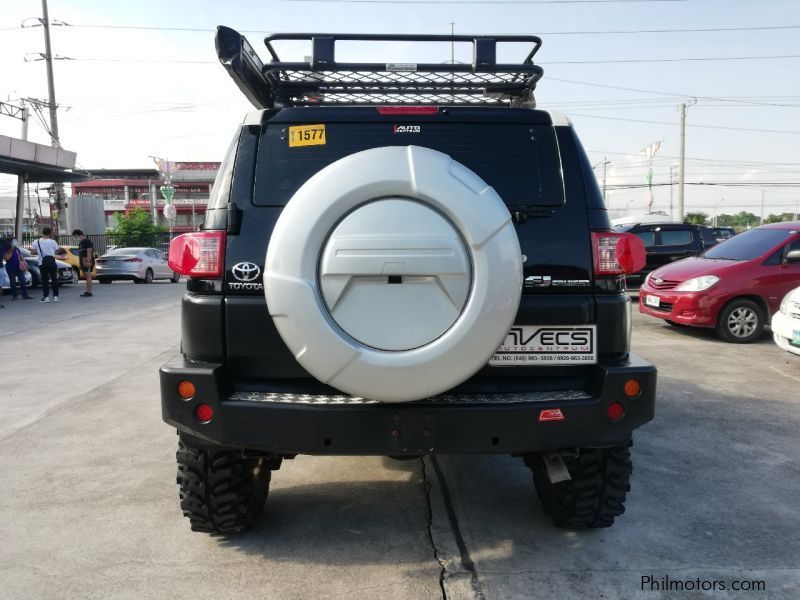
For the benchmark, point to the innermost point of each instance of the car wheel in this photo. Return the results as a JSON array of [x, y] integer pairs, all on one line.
[[104, 281], [148, 276], [175, 278], [741, 322], [594, 495], [221, 491], [76, 276]]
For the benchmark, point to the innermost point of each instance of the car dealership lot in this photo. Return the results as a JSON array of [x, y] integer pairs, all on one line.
[[90, 503]]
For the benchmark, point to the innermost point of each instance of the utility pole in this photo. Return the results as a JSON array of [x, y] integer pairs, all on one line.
[[605, 164], [682, 163], [51, 94], [763, 193]]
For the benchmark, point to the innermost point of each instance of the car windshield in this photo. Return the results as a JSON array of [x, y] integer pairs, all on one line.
[[748, 245]]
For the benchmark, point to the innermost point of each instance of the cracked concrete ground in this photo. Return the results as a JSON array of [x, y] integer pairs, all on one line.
[[90, 506]]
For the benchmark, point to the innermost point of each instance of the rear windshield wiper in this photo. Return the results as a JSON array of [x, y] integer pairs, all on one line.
[[523, 212]]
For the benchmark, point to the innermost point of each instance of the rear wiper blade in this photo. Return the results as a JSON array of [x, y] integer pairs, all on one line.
[[523, 212]]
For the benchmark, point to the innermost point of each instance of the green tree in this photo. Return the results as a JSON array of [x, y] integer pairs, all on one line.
[[779, 218], [137, 222], [696, 218]]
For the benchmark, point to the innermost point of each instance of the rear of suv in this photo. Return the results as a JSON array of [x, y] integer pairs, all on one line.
[[403, 260]]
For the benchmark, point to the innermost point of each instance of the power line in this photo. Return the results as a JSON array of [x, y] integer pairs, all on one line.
[[644, 91], [584, 32], [491, 1], [654, 60], [564, 62], [788, 131]]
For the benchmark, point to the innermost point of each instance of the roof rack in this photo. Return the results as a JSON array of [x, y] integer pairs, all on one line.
[[322, 81]]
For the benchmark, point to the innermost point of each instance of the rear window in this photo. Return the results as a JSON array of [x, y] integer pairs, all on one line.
[[676, 237], [519, 161], [749, 245], [648, 237]]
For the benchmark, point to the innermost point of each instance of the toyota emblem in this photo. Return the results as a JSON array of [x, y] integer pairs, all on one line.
[[246, 271], [658, 281]]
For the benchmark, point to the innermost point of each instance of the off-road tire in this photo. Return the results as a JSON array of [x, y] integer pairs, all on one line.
[[594, 496], [220, 490], [749, 310]]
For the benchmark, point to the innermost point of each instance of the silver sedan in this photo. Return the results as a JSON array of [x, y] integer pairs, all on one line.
[[141, 265]]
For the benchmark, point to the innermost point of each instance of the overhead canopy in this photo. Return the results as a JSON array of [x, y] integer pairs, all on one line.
[[37, 162]]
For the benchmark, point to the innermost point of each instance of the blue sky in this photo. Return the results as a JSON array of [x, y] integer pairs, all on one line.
[[121, 112]]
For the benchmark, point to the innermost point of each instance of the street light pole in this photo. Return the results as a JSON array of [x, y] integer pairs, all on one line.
[[763, 193], [671, 181]]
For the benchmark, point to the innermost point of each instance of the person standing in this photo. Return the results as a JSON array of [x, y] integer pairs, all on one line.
[[86, 248], [46, 248], [16, 267], [3, 250]]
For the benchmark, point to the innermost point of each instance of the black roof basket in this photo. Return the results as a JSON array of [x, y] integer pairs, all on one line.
[[323, 81]]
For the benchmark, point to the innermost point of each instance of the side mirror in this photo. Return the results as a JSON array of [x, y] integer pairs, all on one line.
[[792, 257]]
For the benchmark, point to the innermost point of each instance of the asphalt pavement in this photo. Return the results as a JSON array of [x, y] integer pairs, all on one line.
[[90, 507]]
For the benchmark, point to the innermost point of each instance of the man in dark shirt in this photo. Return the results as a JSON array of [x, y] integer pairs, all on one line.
[[87, 260]]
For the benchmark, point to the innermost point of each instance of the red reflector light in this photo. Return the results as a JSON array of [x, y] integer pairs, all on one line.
[[617, 253], [408, 110], [616, 411], [551, 414], [632, 388], [199, 254], [204, 413]]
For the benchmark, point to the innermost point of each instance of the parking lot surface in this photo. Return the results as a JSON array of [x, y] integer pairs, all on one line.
[[90, 504]]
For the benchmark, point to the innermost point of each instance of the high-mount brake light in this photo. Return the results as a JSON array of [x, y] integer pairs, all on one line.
[[199, 254], [408, 110], [617, 253]]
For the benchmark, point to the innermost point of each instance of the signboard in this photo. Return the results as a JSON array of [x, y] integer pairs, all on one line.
[[114, 204]]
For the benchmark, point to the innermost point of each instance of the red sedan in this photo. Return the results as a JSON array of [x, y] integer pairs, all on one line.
[[733, 287]]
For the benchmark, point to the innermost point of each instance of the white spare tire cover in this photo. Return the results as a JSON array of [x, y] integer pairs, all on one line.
[[394, 274]]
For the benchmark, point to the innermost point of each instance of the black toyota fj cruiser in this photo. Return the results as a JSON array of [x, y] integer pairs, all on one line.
[[403, 260]]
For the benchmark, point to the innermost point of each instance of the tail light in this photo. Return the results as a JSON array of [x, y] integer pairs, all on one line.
[[132, 260], [617, 253], [199, 254], [408, 110]]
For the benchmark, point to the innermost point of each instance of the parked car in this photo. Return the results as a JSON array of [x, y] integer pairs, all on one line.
[[734, 287], [140, 265], [723, 233], [66, 274], [665, 243], [71, 256], [786, 323]]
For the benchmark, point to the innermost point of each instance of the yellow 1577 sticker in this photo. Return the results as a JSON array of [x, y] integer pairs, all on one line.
[[307, 135]]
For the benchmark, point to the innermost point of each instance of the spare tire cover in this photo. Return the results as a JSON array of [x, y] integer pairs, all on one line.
[[394, 274]]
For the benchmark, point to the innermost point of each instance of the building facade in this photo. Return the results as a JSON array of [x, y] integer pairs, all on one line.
[[124, 190]]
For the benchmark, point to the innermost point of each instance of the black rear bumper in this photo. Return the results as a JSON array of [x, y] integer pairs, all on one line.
[[498, 424]]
